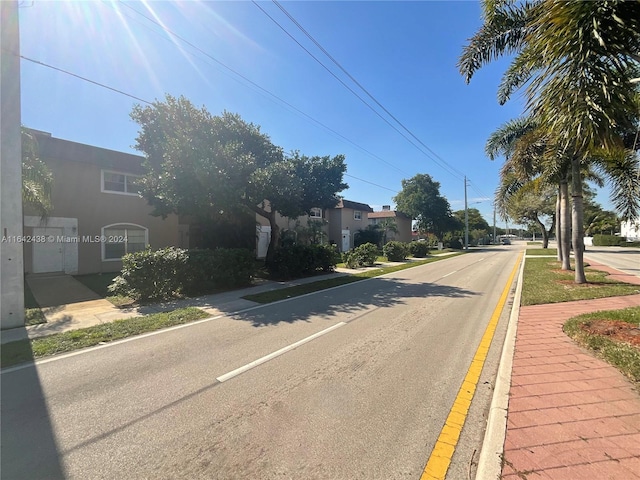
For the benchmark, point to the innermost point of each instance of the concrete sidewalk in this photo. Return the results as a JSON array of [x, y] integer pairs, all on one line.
[[570, 414], [82, 314]]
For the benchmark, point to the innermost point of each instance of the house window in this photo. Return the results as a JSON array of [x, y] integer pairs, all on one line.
[[120, 239], [315, 213], [357, 215], [122, 183]]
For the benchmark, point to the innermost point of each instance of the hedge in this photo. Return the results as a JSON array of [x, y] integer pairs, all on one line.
[[607, 240], [295, 261], [171, 272]]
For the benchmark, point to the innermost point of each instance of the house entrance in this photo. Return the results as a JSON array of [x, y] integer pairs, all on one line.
[[48, 254], [346, 240]]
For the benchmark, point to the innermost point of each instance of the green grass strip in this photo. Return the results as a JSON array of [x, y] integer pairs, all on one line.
[[23, 351], [545, 282], [284, 293], [619, 354], [542, 251]]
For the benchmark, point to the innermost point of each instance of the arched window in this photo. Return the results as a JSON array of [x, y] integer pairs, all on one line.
[[122, 238]]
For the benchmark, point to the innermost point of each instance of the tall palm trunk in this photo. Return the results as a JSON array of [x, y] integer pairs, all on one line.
[[558, 227], [577, 215], [565, 225]]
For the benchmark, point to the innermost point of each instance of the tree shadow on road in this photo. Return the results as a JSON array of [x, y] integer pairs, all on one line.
[[352, 299]]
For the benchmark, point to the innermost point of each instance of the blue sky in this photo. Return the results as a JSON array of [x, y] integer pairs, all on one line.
[[403, 53]]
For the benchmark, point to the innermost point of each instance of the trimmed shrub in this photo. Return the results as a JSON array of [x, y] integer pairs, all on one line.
[[150, 274], [419, 249], [454, 243], [294, 261], [170, 272], [630, 244], [364, 255], [395, 251], [607, 240]]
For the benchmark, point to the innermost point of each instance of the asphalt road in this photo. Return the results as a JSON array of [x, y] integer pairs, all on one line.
[[366, 399], [622, 258]]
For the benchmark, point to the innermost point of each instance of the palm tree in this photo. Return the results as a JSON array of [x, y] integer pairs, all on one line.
[[578, 60], [387, 225], [36, 177]]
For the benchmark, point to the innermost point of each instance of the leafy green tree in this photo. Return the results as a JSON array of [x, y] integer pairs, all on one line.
[[36, 176], [534, 204], [478, 226], [198, 163], [420, 198]]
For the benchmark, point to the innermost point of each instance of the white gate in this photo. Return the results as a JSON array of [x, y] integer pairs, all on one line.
[[264, 238]]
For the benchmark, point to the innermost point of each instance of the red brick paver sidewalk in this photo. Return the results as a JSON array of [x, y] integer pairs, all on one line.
[[571, 415]]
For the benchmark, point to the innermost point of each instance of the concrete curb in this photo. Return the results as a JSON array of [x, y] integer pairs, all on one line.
[[490, 461]]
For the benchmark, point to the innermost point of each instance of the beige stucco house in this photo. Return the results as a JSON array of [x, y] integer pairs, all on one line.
[[402, 221], [340, 224], [97, 214]]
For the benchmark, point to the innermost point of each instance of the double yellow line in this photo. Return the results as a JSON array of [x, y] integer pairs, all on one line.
[[440, 459]]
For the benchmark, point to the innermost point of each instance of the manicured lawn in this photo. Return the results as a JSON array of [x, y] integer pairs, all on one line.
[[23, 351], [273, 296], [603, 332], [544, 282]]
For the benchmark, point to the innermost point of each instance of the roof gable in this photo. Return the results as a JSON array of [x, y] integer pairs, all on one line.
[[353, 205]]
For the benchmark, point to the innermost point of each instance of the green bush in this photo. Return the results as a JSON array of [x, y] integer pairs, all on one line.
[[630, 244], [364, 255], [607, 240], [150, 274], [419, 249], [395, 251], [170, 272], [454, 243], [294, 261]]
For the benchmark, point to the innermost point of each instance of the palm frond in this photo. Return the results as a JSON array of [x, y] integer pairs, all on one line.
[[36, 176], [503, 32], [502, 141]]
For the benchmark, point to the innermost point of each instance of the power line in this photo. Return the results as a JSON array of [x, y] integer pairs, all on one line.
[[150, 103], [83, 78], [340, 80], [370, 183], [442, 163], [260, 87]]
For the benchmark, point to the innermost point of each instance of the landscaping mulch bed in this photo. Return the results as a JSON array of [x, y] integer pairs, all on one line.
[[615, 330]]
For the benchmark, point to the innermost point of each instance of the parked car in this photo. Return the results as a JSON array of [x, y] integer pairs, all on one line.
[[505, 241]]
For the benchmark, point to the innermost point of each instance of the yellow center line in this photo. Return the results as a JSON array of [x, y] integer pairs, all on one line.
[[440, 459]]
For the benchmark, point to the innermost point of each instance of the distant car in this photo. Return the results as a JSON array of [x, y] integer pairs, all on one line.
[[505, 241]]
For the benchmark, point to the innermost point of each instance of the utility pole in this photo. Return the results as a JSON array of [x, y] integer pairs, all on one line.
[[466, 217], [11, 261], [494, 222]]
